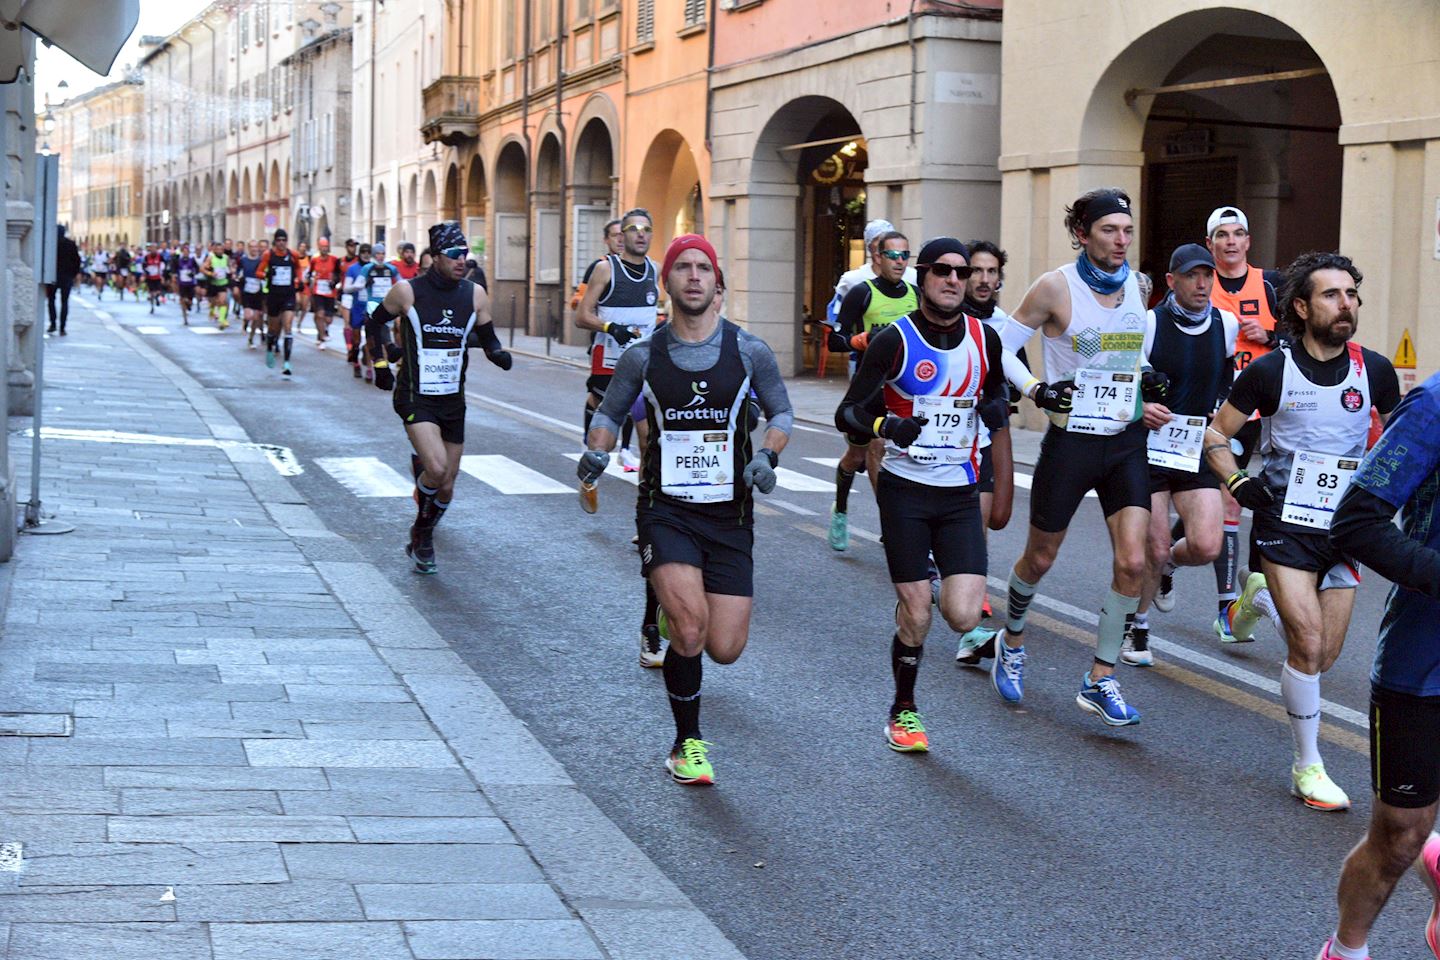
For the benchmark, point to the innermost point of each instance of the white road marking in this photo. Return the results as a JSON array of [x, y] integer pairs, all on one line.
[[366, 476], [792, 507], [791, 480], [613, 469], [807, 429], [828, 462], [204, 331], [553, 421], [1213, 664], [103, 315], [153, 331], [281, 458], [507, 476]]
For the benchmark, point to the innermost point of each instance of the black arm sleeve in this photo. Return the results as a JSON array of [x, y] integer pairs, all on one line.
[[1384, 383], [1363, 529], [377, 329], [995, 384], [1258, 386], [862, 403], [851, 316], [483, 336]]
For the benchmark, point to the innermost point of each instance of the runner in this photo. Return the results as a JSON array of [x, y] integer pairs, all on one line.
[[923, 386], [1092, 313], [342, 307], [371, 284], [1402, 472], [1193, 344], [216, 268], [1314, 397], [324, 281], [355, 314], [279, 268], [868, 307], [100, 270], [154, 268], [695, 502], [187, 269], [234, 251], [252, 295], [122, 279], [619, 305], [614, 246], [406, 266], [302, 286], [1249, 294], [441, 315]]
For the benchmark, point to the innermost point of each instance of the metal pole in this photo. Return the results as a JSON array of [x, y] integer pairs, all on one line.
[[512, 319], [7, 487], [47, 177]]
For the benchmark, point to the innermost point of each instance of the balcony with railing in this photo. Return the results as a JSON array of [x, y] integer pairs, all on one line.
[[452, 110]]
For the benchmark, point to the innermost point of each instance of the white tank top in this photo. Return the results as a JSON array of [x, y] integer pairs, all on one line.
[[1332, 420], [1098, 337], [945, 386]]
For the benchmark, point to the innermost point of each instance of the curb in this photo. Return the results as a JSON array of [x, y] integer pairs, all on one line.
[[630, 907]]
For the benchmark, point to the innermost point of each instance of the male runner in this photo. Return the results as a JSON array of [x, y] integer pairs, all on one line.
[[406, 266], [216, 267], [1402, 472], [440, 317], [324, 280], [154, 267], [1314, 397], [187, 270], [99, 270], [355, 313], [924, 383], [1192, 343], [1092, 313], [620, 307], [614, 246], [342, 307], [280, 271], [252, 293], [868, 307], [371, 284], [695, 510], [301, 251], [1248, 293], [123, 280]]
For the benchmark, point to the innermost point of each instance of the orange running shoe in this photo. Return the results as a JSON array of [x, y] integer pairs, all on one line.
[[906, 733]]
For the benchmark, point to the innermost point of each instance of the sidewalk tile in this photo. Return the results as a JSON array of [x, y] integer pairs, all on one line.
[[309, 941], [410, 862], [368, 729], [113, 941], [84, 904], [409, 828], [217, 778], [228, 829], [169, 752], [35, 827], [188, 692], [502, 940], [460, 901], [142, 802], [154, 709], [277, 902], [57, 799], [348, 693], [51, 863], [348, 753], [236, 729], [314, 710], [386, 802]]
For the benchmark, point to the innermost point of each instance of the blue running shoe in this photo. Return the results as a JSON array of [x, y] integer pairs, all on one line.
[[839, 535], [1007, 672], [270, 358], [1103, 699]]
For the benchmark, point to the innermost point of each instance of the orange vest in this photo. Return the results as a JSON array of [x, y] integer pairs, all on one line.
[[1248, 304]]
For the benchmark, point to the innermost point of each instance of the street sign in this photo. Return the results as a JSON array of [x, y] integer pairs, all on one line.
[[1405, 353]]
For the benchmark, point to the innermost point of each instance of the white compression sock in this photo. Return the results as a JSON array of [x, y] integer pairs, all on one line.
[[1301, 694], [1266, 605]]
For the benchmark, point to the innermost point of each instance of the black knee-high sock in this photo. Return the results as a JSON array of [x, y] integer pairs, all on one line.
[[424, 504], [905, 665], [626, 430], [440, 507], [589, 415], [272, 340], [843, 479], [415, 468], [652, 607], [682, 683], [289, 342]]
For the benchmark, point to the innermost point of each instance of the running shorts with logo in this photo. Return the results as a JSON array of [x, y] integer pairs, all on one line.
[[722, 548], [1300, 548], [1404, 748], [277, 302], [917, 518], [1072, 464], [448, 414]]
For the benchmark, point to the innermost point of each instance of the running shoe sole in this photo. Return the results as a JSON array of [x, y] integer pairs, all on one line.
[[421, 566], [996, 667], [1138, 658], [920, 747], [687, 781], [1225, 635], [1089, 707], [1322, 807]]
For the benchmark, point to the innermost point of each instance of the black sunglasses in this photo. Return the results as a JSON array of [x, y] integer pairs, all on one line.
[[943, 270]]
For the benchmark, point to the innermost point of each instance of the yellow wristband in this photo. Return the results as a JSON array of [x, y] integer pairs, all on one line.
[[876, 428], [379, 364]]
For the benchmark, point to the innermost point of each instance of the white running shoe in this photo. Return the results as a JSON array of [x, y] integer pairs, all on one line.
[[628, 461], [1313, 786]]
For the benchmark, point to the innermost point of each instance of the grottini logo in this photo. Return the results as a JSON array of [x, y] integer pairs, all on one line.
[[690, 413], [452, 330]]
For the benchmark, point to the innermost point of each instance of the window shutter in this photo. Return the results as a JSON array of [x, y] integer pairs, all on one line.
[[645, 21]]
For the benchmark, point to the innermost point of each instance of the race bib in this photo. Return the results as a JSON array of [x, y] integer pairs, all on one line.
[[252, 284], [379, 286], [153, 270], [322, 287], [187, 276], [695, 465], [1104, 401], [948, 436], [1177, 444], [440, 371], [283, 276], [1317, 482]]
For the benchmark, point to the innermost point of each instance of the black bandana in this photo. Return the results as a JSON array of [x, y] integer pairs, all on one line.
[[980, 311], [445, 235]]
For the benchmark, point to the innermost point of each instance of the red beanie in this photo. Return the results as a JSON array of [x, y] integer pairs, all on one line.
[[688, 241]]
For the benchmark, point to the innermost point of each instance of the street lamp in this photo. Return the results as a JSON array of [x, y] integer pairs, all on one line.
[[309, 25]]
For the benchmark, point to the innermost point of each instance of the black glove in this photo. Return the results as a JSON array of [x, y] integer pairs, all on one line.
[[995, 412], [1250, 491], [591, 465], [1154, 385], [621, 333], [1055, 397], [384, 376], [501, 359], [393, 352], [902, 431]]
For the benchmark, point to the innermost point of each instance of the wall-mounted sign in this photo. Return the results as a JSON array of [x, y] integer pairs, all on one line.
[[1182, 144]]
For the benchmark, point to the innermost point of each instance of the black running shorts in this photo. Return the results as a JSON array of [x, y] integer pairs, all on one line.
[[278, 303], [986, 483], [916, 519], [252, 301], [324, 306], [1167, 480], [598, 383], [722, 549], [1404, 748], [449, 417], [1300, 548], [1073, 464]]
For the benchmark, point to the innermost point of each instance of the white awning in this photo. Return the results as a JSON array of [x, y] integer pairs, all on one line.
[[91, 31]]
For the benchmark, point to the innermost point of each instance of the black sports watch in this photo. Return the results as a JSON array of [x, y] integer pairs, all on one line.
[[772, 456]]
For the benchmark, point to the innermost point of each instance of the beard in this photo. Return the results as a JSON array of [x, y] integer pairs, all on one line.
[[699, 311], [939, 312], [1330, 338]]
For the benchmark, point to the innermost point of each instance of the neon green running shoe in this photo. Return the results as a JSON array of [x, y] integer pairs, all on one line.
[[688, 764], [1244, 615], [663, 622]]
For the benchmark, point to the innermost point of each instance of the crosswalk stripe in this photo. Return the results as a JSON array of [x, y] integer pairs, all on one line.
[[613, 470], [366, 476], [507, 476], [831, 462], [203, 331], [801, 483], [153, 331]]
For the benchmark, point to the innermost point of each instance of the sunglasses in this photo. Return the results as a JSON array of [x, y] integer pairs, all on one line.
[[943, 270], [455, 253], [637, 228], [895, 254]]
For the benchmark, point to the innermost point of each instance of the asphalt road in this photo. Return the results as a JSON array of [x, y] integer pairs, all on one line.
[[1025, 832]]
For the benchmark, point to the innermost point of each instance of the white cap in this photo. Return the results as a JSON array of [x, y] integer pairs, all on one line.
[[874, 228], [1223, 215]]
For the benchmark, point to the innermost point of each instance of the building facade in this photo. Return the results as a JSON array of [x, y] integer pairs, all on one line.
[[101, 138], [319, 143], [1326, 144]]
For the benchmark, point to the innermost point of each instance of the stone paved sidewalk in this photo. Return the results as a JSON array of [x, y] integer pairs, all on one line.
[[273, 755]]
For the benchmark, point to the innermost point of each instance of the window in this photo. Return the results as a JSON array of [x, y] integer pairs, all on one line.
[[244, 29], [329, 141], [261, 21], [232, 31], [645, 22], [235, 108], [246, 107], [694, 12]]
